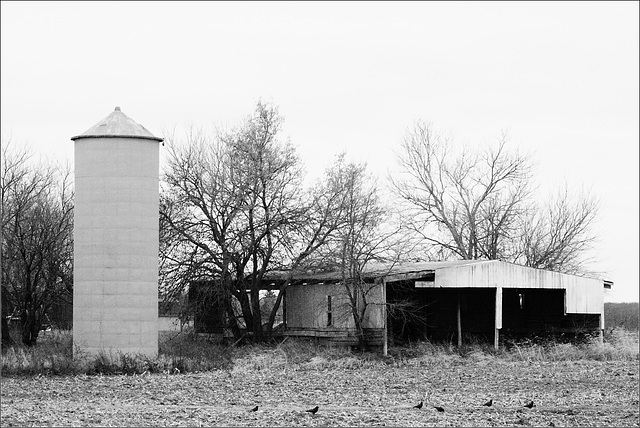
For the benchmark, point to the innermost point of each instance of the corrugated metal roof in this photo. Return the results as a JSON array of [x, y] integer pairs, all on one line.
[[381, 270], [117, 125], [417, 270]]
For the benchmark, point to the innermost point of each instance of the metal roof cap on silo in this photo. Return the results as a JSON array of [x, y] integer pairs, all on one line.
[[117, 125]]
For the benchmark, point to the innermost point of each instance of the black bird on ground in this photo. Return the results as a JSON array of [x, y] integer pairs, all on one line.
[[488, 403], [255, 409], [529, 405], [418, 406], [438, 408], [312, 411]]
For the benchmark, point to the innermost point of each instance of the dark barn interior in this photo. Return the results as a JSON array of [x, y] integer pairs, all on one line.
[[432, 313], [435, 313]]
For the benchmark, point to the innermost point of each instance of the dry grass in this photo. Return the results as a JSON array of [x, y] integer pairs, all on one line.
[[185, 353], [619, 345], [53, 354]]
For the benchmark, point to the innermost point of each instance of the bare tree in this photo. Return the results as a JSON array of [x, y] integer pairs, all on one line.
[[14, 175], [475, 197], [558, 234], [37, 244], [483, 206], [199, 213], [14, 171], [366, 241], [233, 209]]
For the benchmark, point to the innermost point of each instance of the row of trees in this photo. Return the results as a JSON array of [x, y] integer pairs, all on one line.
[[233, 208], [37, 246]]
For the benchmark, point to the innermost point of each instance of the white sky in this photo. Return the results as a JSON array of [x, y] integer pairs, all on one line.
[[561, 78]]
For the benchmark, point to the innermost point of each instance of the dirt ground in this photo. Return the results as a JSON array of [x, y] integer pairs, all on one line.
[[567, 393]]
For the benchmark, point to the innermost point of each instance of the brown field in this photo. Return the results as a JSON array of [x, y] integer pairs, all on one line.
[[350, 390]]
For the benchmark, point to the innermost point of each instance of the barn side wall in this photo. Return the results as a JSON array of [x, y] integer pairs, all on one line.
[[307, 314], [584, 295]]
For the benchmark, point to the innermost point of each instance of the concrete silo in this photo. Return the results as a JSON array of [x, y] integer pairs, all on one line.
[[115, 294]]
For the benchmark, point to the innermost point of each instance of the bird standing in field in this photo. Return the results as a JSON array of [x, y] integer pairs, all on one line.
[[488, 403], [255, 409], [529, 405], [438, 408], [418, 406], [312, 411]]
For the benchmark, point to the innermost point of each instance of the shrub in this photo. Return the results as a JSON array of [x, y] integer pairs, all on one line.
[[189, 352]]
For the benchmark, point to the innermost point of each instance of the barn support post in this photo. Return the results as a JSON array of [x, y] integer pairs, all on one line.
[[459, 322], [498, 318], [284, 310], [383, 284], [602, 327]]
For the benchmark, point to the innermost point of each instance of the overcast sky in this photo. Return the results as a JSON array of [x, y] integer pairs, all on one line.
[[561, 78]]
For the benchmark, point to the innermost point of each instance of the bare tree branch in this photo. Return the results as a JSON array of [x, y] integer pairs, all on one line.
[[480, 205], [37, 238]]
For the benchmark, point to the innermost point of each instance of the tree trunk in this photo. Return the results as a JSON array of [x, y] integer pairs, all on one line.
[[274, 310], [362, 342], [6, 336], [30, 330], [231, 319], [257, 315], [4, 327], [245, 306], [358, 316]]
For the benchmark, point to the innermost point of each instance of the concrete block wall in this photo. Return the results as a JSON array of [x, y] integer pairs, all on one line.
[[115, 304]]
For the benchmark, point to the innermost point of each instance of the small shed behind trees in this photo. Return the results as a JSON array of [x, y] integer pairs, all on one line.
[[446, 300]]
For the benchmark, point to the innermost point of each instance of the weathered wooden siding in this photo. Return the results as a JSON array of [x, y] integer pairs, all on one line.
[[583, 295], [339, 336], [307, 307], [302, 306]]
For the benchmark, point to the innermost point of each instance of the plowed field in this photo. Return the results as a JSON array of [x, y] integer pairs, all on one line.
[[567, 393]]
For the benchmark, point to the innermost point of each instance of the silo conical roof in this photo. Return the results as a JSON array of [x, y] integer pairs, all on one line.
[[117, 125]]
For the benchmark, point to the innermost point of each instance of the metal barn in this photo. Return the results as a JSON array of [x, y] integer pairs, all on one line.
[[447, 300]]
